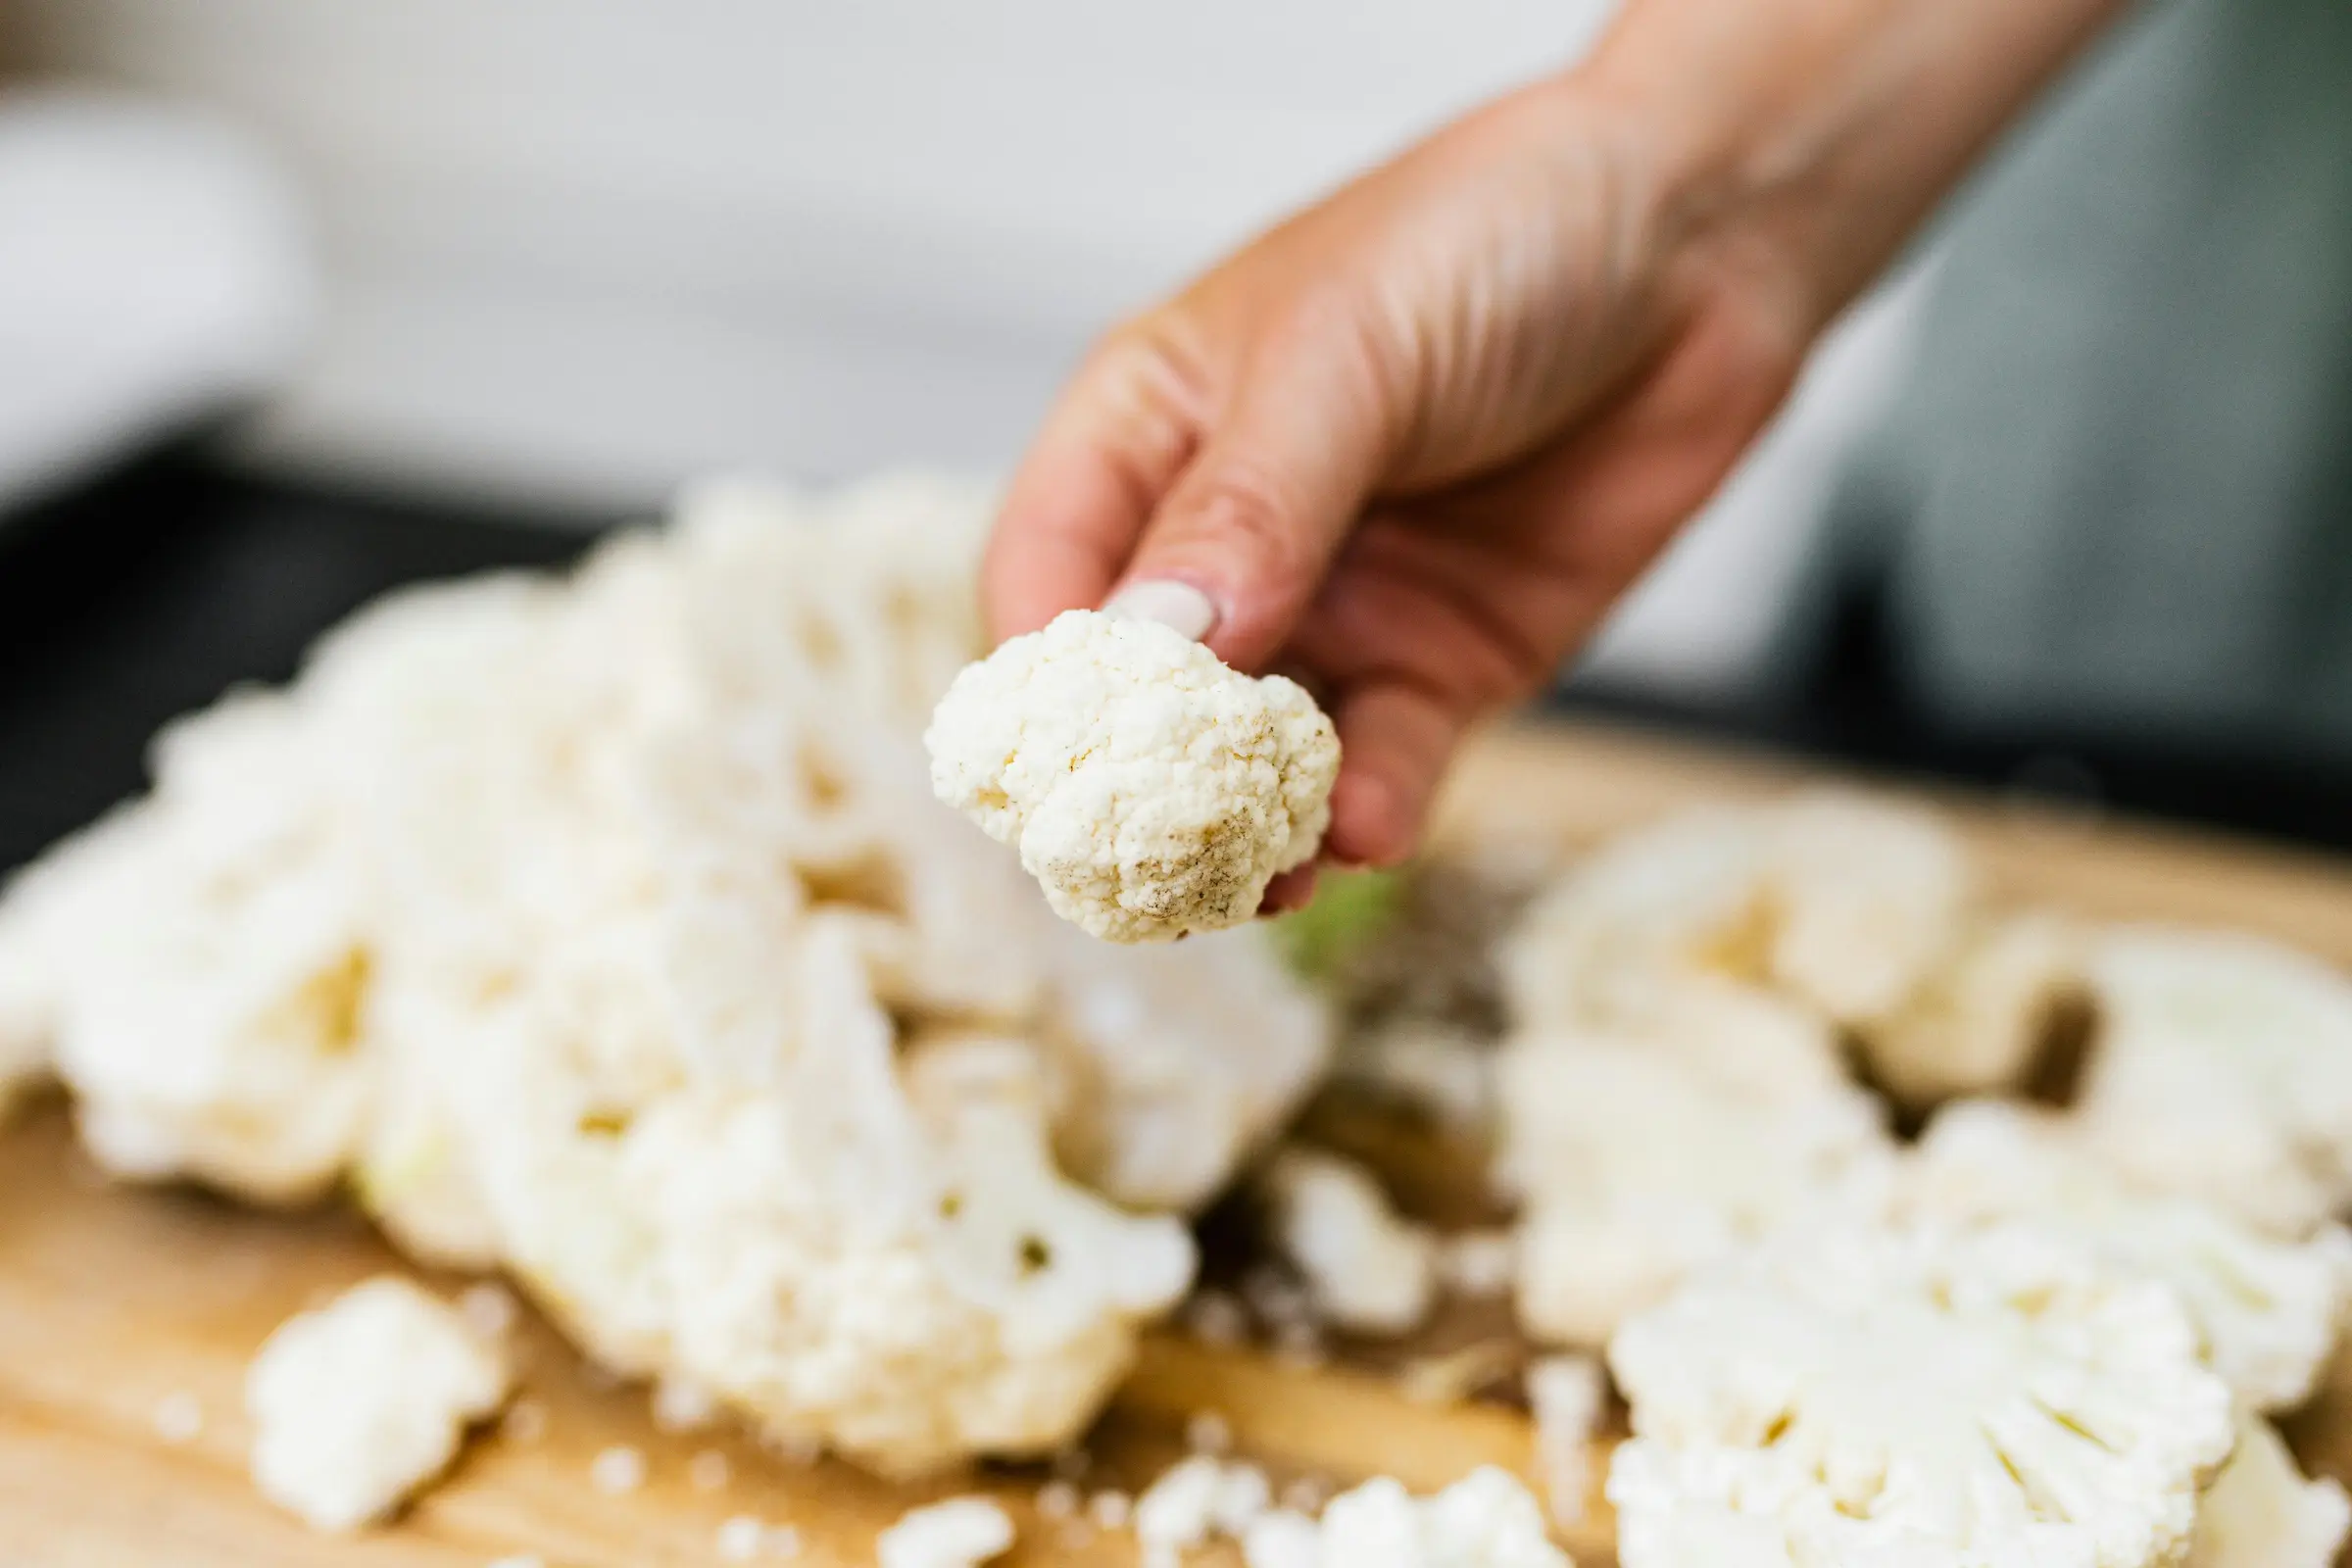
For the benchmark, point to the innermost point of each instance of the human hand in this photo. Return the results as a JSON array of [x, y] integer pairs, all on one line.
[[1410, 446]]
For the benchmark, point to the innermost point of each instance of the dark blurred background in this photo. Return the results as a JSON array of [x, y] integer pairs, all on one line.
[[299, 301]]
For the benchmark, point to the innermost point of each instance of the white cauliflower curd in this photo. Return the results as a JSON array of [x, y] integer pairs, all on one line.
[[2269, 1309], [1366, 1268], [358, 1403], [603, 929], [2263, 1512], [1841, 903], [2223, 1067], [1150, 789], [206, 965], [1851, 1395], [1979, 1022], [959, 1532], [1639, 1159], [1486, 1520]]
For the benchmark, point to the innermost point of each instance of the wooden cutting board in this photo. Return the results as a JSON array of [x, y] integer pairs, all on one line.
[[114, 1302]]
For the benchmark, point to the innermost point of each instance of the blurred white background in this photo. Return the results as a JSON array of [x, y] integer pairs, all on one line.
[[581, 251]]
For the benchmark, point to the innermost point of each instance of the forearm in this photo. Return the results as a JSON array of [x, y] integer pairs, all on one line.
[[1823, 130]]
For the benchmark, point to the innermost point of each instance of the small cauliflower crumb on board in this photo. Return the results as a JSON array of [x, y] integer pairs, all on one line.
[[117, 1302], [1152, 791], [959, 1532], [359, 1403]]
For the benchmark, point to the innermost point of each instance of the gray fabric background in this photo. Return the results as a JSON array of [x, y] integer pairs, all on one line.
[[2118, 495]]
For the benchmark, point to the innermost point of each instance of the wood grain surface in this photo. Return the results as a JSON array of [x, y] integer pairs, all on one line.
[[114, 1301]]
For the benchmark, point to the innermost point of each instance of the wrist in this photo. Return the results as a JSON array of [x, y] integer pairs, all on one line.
[[1813, 136]]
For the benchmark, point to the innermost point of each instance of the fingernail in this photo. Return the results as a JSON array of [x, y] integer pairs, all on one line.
[[1177, 605]]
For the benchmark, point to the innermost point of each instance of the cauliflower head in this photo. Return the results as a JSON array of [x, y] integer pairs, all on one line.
[[2269, 1309], [1849, 1393], [603, 929], [1151, 790]]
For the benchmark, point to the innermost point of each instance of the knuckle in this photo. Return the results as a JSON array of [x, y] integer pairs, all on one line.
[[1244, 507]]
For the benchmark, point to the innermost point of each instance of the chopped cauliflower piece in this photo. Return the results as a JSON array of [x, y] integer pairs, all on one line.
[[959, 1532], [1181, 1061], [2262, 1513], [1486, 1520], [1151, 790], [1567, 1394], [1366, 1268], [210, 966], [2269, 1309], [1979, 1022], [1841, 903], [358, 1403], [1638, 1160], [1196, 1500], [2223, 1067], [1856, 1394]]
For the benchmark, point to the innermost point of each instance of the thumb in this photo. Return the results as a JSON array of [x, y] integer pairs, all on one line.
[[1236, 551]]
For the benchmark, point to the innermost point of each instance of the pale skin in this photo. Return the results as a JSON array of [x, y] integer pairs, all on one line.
[[1411, 444]]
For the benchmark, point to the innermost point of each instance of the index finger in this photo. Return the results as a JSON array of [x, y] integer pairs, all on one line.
[[1078, 504]]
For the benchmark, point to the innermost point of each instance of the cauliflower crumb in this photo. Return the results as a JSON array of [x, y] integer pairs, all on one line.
[[357, 1404], [1850, 1392], [1207, 1432], [1567, 1394], [960, 1533], [525, 1421], [1367, 1268], [1151, 790], [2262, 1512], [178, 1418], [741, 1539], [708, 1471], [1109, 1509], [488, 1309], [616, 1470], [683, 1405], [1486, 1520]]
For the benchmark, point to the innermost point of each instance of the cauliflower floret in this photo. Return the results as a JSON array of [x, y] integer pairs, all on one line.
[[2223, 1067], [1195, 1500], [1366, 1268], [1641, 1159], [886, 1264], [1486, 1520], [2268, 1309], [2262, 1513], [1182, 1059], [1981, 1019], [358, 1403], [1856, 1393], [1150, 789], [1567, 1394], [210, 965], [959, 1532], [1840, 903]]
